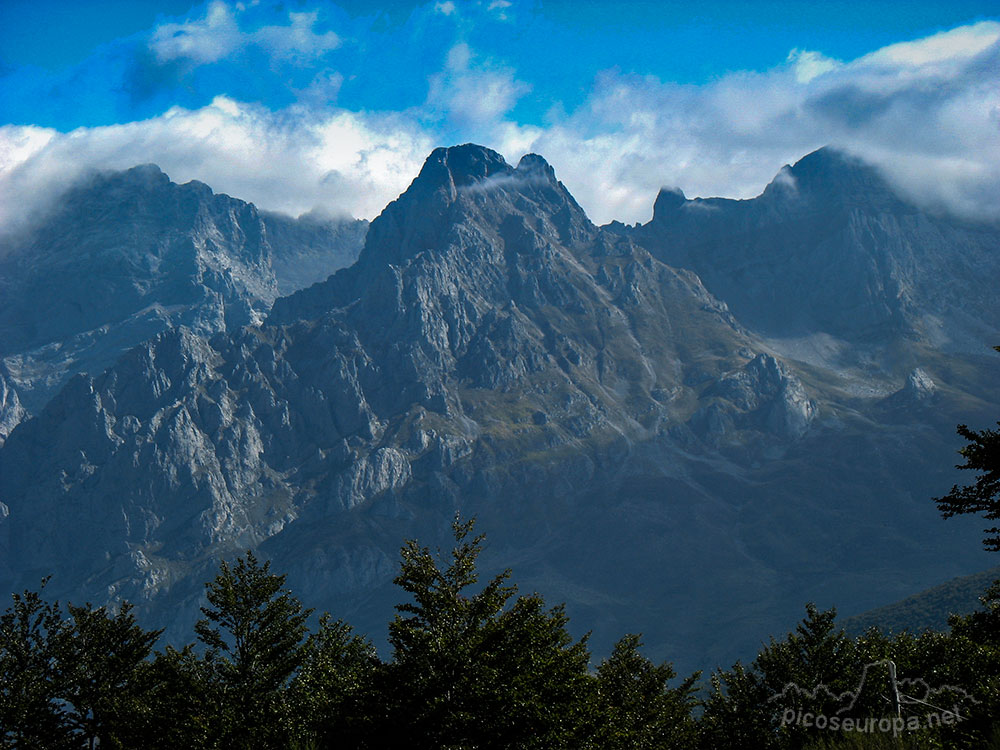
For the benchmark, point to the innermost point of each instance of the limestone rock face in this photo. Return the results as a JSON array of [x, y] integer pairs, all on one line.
[[126, 255], [764, 396], [634, 441], [487, 320], [829, 248], [919, 385], [308, 249], [11, 411]]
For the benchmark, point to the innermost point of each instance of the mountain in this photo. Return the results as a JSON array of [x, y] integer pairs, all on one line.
[[125, 255], [928, 609], [629, 443], [306, 250], [829, 259]]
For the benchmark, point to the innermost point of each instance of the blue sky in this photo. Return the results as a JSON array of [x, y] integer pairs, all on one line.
[[302, 105]]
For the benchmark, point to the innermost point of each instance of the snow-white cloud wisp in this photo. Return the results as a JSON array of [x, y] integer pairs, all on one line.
[[926, 111], [218, 35], [339, 162]]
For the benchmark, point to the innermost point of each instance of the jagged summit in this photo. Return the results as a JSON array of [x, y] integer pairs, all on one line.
[[457, 166], [461, 192], [829, 246], [668, 200], [534, 165], [832, 174], [140, 171], [122, 255], [817, 179]]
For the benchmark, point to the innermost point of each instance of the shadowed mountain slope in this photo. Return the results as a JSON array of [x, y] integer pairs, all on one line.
[[828, 250], [122, 256], [629, 445]]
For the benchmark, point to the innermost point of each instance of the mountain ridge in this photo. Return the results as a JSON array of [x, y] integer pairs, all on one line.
[[124, 255], [625, 438]]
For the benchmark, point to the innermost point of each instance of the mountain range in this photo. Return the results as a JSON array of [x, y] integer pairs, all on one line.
[[687, 428]]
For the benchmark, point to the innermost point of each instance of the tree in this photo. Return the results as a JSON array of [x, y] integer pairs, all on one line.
[[638, 711], [30, 680], [983, 496], [101, 657], [806, 671], [981, 627], [255, 634], [334, 690], [181, 703], [470, 671]]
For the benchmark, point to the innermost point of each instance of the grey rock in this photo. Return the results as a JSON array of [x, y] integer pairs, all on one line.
[[829, 248], [674, 462], [124, 256], [11, 411], [919, 385], [309, 249]]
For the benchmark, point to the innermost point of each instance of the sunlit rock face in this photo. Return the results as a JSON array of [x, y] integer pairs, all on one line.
[[630, 442], [123, 256], [11, 411]]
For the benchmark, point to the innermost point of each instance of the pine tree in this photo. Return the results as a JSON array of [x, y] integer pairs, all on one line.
[[471, 671], [982, 454], [255, 634], [638, 711]]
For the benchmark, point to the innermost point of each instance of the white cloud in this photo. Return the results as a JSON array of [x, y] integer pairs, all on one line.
[[218, 35], [927, 112], [203, 41], [947, 46], [446, 8], [297, 42], [473, 96], [500, 8], [292, 161], [808, 64]]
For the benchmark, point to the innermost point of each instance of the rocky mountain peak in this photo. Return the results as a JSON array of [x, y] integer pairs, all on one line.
[[457, 166], [831, 174], [629, 395], [829, 246], [668, 200], [462, 197], [149, 174], [534, 165]]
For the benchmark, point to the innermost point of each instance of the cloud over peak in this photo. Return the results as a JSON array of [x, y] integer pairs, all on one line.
[[927, 111]]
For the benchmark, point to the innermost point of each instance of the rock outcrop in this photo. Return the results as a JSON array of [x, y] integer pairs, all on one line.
[[630, 443], [126, 255]]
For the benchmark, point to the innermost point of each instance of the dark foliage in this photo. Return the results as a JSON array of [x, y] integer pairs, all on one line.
[[982, 454], [473, 666]]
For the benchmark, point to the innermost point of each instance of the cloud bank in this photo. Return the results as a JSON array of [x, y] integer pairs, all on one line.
[[926, 111]]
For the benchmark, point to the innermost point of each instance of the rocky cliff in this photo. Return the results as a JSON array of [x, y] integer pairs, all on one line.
[[630, 445], [829, 250], [125, 255]]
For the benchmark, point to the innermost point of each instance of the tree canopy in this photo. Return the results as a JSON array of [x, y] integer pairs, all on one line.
[[982, 454], [473, 665]]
